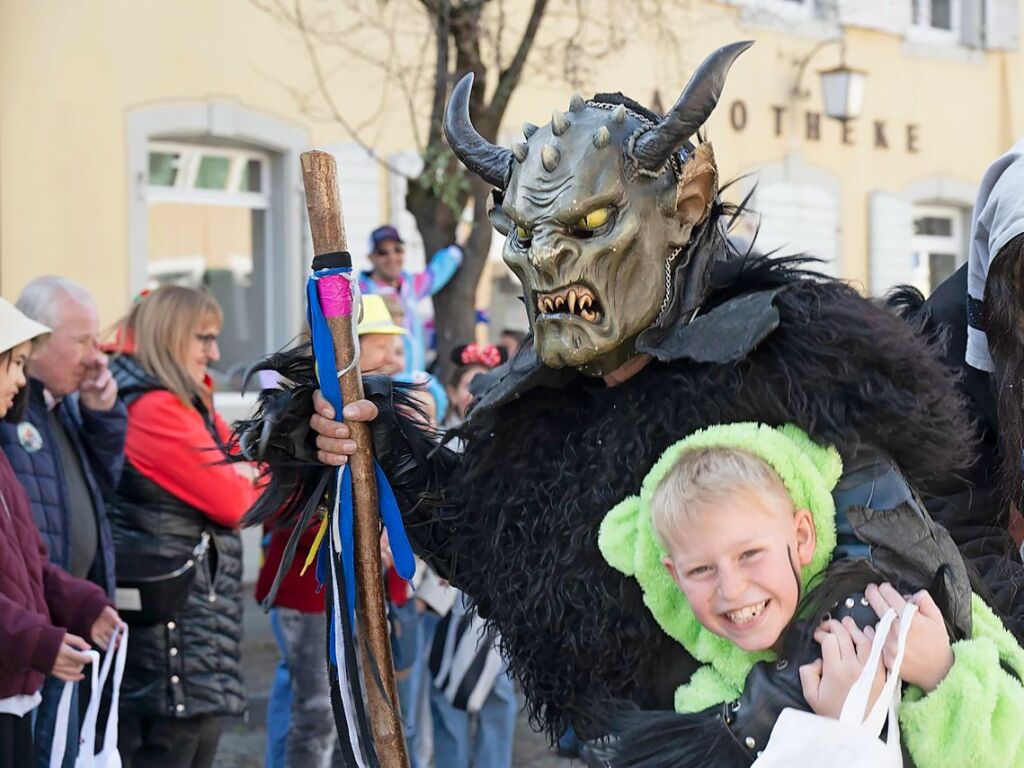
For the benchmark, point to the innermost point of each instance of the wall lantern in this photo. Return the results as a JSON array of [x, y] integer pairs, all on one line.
[[842, 87]]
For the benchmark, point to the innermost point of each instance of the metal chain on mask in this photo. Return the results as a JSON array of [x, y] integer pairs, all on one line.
[[675, 163], [668, 284]]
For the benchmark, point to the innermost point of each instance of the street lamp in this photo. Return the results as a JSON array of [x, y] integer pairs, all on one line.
[[842, 87]]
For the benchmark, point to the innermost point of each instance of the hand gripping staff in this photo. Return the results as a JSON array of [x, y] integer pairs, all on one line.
[[349, 558]]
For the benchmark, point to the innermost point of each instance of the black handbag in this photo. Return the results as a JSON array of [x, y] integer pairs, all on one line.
[[152, 589]]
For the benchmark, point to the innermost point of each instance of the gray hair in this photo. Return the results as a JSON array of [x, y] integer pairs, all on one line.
[[39, 299]]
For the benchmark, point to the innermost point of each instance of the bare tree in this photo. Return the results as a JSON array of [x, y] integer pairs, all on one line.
[[493, 39]]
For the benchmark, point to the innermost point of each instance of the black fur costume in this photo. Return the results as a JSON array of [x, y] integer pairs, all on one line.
[[513, 522]]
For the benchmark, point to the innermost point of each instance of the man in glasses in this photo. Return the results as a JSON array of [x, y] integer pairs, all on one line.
[[387, 277]]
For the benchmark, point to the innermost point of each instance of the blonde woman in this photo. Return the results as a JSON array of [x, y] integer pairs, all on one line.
[[175, 519]]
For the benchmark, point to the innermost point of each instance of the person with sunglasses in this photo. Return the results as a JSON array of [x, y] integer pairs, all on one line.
[[387, 276]]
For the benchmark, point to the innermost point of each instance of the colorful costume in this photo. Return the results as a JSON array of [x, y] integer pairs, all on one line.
[[412, 289], [616, 232]]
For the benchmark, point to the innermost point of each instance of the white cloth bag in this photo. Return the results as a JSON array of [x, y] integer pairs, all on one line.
[[87, 758], [805, 740]]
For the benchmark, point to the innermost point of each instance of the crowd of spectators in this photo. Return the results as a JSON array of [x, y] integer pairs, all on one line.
[[118, 507]]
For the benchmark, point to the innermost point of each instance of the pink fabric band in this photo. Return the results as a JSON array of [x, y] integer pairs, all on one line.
[[335, 294]]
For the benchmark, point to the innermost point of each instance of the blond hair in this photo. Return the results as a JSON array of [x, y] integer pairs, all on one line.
[[159, 329], [700, 479]]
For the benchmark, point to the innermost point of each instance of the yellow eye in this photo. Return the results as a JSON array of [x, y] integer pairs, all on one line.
[[521, 232], [595, 219]]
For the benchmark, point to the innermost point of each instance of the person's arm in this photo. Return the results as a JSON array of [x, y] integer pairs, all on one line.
[[73, 603], [28, 640], [169, 443], [103, 438], [973, 716], [441, 268]]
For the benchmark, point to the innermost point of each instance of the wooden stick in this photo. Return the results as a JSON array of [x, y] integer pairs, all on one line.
[[327, 227]]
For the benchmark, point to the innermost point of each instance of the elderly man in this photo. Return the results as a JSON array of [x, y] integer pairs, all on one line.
[[67, 451]]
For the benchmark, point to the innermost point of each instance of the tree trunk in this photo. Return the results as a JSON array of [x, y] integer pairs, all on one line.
[[455, 304]]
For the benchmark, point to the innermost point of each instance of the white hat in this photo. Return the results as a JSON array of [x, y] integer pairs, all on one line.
[[16, 328]]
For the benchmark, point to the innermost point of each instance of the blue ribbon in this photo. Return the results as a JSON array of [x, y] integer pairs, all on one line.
[[323, 355]]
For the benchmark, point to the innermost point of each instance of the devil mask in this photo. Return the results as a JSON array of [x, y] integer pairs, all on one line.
[[598, 207]]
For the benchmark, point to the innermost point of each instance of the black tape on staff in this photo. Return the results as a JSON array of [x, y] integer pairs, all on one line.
[[333, 260]]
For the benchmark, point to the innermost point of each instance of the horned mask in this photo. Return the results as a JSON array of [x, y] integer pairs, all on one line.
[[598, 207]]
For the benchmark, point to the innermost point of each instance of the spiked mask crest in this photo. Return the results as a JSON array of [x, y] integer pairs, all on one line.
[[596, 205]]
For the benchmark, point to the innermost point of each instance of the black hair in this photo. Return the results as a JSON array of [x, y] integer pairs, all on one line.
[[16, 413], [461, 365], [1003, 319], [459, 371]]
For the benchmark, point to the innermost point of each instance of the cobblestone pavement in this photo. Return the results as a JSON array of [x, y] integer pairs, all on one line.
[[243, 743]]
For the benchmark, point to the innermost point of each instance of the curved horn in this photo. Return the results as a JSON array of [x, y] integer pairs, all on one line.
[[694, 107], [489, 162]]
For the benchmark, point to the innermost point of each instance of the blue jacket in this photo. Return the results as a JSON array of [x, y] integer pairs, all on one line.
[[99, 439]]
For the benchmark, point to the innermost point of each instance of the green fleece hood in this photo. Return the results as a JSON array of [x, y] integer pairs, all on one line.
[[628, 542]]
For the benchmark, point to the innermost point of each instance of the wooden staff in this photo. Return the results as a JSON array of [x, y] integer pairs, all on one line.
[[327, 227]]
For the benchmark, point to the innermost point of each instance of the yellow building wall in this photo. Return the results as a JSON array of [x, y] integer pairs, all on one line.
[[71, 71]]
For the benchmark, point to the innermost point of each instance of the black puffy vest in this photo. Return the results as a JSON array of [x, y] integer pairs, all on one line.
[[191, 665]]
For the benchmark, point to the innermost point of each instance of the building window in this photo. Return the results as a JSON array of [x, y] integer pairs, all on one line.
[[935, 21], [207, 210], [938, 245], [774, 11]]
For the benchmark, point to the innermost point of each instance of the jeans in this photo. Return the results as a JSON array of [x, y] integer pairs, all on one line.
[[279, 705], [456, 745], [490, 746], [44, 720], [310, 729], [407, 649]]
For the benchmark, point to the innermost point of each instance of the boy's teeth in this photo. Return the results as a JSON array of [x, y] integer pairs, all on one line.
[[749, 613]]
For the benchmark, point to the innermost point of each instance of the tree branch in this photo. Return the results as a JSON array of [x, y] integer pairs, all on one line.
[[442, 29], [325, 91], [509, 77]]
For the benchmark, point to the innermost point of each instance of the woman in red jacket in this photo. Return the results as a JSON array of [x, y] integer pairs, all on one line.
[[44, 612], [178, 502]]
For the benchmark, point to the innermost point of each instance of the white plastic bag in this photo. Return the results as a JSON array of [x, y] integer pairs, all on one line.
[[109, 758], [805, 740]]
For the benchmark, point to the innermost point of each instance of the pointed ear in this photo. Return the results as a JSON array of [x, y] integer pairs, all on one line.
[[697, 186]]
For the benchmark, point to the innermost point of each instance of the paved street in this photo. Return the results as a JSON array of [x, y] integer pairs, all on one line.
[[243, 743]]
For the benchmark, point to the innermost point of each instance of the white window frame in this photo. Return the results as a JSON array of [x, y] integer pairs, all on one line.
[[922, 31], [184, 189], [954, 242], [223, 125], [785, 10]]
